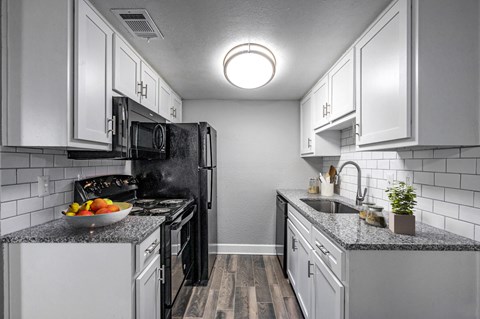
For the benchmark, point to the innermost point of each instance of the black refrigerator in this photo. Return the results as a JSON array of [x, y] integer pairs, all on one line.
[[189, 170]]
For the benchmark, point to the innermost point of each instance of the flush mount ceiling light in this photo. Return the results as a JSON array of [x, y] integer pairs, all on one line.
[[249, 66]]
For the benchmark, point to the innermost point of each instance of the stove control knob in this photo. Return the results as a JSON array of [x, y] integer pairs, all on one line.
[[119, 183]]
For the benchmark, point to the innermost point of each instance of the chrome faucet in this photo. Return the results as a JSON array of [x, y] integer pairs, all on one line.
[[360, 197]]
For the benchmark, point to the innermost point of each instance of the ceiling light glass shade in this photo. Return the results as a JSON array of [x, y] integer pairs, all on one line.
[[249, 66]]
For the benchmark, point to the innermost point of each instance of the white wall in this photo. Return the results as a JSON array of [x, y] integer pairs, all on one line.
[[258, 152], [447, 182]]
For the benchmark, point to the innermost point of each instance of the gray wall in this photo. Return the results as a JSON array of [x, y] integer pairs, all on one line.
[[258, 152]]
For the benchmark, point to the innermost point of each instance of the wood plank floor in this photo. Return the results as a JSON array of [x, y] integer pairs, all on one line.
[[243, 287]]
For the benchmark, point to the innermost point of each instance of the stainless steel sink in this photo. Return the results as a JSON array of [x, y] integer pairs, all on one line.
[[329, 206]]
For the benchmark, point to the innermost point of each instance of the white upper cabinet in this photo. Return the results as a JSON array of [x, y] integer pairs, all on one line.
[[176, 110], [93, 61], [414, 85], [306, 130], [126, 70], [341, 83], [165, 108], [150, 82], [321, 103], [383, 64]]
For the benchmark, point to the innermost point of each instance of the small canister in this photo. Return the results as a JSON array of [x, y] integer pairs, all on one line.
[[313, 187]]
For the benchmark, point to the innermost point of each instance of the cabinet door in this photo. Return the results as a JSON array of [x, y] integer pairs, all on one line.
[[306, 130], [341, 80], [328, 292], [93, 94], [383, 78], [292, 254], [321, 103], [150, 83], [304, 275], [165, 108], [147, 291], [176, 114], [126, 70]]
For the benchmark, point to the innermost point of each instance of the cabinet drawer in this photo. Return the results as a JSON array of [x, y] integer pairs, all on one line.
[[330, 253], [302, 224], [146, 250]]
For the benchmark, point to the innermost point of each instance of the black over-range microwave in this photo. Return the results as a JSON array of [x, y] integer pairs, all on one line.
[[138, 133]]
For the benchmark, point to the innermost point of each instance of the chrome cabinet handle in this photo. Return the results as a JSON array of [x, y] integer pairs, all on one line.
[[294, 240], [140, 88], [324, 110], [357, 129], [150, 249], [171, 111], [326, 107], [175, 113], [112, 130], [309, 145], [161, 277], [309, 274], [322, 249], [146, 91]]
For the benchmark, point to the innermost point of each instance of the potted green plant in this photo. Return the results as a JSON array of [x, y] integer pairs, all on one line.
[[402, 198]]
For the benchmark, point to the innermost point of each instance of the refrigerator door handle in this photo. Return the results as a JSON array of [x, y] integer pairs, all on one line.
[[210, 195], [209, 133]]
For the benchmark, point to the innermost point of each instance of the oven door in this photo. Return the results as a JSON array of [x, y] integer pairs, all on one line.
[[181, 252], [148, 140]]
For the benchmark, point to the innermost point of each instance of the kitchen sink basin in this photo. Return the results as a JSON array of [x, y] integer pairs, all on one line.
[[329, 206]]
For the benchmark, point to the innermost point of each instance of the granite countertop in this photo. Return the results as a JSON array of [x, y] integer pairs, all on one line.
[[132, 229], [352, 233]]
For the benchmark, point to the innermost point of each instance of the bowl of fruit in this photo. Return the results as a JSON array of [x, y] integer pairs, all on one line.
[[96, 213]]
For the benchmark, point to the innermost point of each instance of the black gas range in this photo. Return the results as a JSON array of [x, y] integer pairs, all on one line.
[[178, 232]]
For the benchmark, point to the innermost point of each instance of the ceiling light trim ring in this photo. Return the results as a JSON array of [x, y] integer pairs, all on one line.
[[264, 51]]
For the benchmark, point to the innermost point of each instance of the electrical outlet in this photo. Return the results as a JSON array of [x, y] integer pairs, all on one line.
[[43, 185]]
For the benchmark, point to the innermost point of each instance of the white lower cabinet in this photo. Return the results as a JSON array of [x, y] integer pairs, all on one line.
[[147, 288], [304, 275], [82, 280], [328, 292], [292, 254]]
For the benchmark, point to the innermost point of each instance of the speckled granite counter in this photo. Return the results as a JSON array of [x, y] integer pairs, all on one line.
[[132, 229], [349, 231]]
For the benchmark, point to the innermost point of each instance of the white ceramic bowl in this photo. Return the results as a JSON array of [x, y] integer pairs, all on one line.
[[100, 220]]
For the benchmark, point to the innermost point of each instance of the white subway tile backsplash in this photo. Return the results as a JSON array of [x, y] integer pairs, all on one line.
[[54, 173], [476, 201], [433, 192], [14, 192], [14, 160], [447, 180], [470, 152], [470, 214], [397, 164], [433, 219], [447, 153], [414, 164], [29, 150], [423, 178], [405, 154], [77, 163], [53, 200], [29, 205], [377, 155], [445, 209], [389, 155], [383, 164], [434, 165], [62, 161], [459, 227], [459, 196], [42, 216], [65, 185], [41, 160], [425, 204], [423, 154], [8, 209], [73, 172], [461, 165], [471, 182], [8, 176], [12, 224], [28, 175], [477, 232]]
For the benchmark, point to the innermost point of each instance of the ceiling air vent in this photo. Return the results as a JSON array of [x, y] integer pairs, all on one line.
[[139, 23]]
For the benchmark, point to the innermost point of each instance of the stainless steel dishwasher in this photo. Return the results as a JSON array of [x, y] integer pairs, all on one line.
[[281, 231]]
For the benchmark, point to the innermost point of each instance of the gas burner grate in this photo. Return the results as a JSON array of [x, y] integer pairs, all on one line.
[[159, 210], [172, 201]]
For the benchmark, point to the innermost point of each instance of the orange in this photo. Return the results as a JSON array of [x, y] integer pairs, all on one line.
[[104, 210], [113, 208], [98, 204], [84, 213]]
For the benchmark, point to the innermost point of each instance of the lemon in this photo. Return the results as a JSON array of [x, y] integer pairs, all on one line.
[[74, 208], [86, 205], [109, 201], [70, 214]]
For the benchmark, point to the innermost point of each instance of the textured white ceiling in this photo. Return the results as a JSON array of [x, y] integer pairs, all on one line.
[[306, 36]]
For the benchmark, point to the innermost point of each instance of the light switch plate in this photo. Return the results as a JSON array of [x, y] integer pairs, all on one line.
[[43, 185]]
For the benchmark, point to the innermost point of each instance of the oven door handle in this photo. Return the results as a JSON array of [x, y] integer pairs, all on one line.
[[185, 220]]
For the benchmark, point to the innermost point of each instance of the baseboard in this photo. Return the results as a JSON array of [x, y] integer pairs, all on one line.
[[241, 249]]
